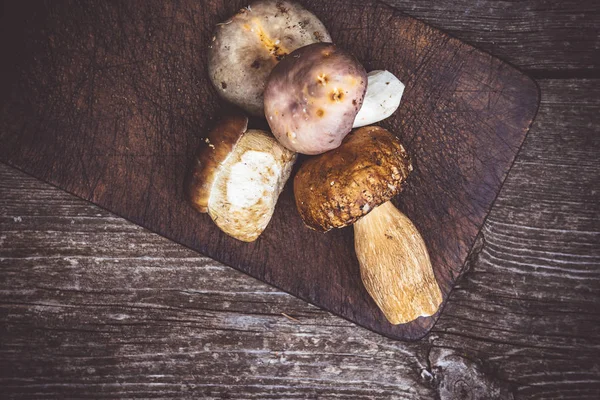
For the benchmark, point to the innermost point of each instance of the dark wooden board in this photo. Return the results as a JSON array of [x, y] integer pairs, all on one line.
[[94, 306], [109, 101], [547, 39]]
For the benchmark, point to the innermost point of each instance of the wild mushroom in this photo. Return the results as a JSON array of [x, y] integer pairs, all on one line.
[[384, 92], [245, 48], [353, 184], [238, 176], [317, 95], [313, 96]]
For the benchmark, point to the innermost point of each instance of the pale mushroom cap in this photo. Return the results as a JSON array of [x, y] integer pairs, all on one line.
[[337, 188], [312, 97], [245, 48]]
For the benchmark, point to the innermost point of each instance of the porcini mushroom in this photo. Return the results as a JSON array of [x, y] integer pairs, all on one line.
[[238, 176], [384, 92], [245, 48], [353, 184], [312, 97]]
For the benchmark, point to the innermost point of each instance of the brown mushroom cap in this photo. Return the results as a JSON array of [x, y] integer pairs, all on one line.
[[245, 48], [213, 151], [312, 97], [337, 188]]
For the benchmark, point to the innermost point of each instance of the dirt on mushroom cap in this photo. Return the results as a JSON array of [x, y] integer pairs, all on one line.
[[312, 97], [245, 48], [337, 188]]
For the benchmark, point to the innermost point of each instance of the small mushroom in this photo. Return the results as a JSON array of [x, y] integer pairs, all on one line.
[[384, 92], [312, 97], [238, 176], [353, 184], [245, 48]]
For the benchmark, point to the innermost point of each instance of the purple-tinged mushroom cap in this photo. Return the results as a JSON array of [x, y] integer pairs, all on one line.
[[312, 97]]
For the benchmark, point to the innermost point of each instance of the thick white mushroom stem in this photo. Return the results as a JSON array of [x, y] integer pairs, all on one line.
[[382, 99], [245, 191], [395, 265]]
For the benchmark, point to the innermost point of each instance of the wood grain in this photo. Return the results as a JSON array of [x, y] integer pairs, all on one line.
[[92, 306], [544, 38], [111, 100]]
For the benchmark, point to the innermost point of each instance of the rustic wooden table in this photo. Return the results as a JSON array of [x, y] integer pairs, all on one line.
[[94, 306]]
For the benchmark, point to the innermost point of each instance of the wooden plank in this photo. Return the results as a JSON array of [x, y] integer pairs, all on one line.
[[94, 306], [112, 100], [531, 299], [546, 39]]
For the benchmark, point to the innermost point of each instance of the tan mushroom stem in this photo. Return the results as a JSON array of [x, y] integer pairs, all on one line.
[[395, 265], [353, 184]]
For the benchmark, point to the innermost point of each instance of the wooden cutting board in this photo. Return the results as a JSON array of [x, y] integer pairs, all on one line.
[[109, 101]]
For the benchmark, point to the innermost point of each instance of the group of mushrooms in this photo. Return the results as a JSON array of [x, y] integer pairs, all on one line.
[[275, 59]]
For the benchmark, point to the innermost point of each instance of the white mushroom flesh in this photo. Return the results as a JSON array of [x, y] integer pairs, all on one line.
[[384, 92], [249, 182], [254, 177]]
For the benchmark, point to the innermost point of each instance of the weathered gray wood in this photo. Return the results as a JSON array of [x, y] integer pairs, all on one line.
[[462, 121], [530, 303], [93, 306], [545, 38]]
